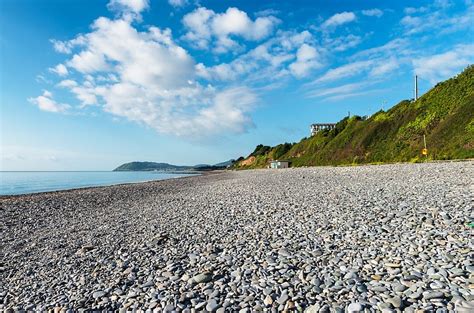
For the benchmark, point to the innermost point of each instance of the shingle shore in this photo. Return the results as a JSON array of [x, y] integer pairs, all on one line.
[[324, 239]]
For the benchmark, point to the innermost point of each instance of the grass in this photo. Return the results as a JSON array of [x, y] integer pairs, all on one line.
[[445, 115]]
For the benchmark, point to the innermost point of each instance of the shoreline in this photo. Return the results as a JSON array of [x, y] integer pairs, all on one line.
[[319, 238], [101, 186]]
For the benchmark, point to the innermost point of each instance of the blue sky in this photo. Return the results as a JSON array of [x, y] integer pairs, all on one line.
[[88, 85]]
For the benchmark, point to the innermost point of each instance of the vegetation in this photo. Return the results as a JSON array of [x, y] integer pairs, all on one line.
[[163, 167], [445, 115], [150, 166]]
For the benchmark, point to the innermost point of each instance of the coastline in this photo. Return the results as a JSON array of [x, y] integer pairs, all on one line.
[[303, 238], [93, 185]]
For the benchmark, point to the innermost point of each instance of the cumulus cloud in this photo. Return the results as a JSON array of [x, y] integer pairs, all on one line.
[[204, 25], [286, 54], [66, 47], [144, 76], [129, 8], [60, 69], [306, 60], [373, 12], [339, 19], [46, 103], [438, 67]]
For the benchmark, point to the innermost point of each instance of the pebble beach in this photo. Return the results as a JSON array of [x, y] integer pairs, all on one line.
[[387, 238]]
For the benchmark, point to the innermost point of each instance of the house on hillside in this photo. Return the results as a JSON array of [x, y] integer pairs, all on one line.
[[279, 164], [315, 128]]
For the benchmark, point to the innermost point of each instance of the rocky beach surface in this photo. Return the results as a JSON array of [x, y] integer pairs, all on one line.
[[326, 239]]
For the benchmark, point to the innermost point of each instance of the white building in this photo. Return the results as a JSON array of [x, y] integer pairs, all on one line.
[[315, 128], [279, 164]]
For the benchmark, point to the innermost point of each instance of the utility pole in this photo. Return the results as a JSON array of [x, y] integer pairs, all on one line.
[[416, 87]]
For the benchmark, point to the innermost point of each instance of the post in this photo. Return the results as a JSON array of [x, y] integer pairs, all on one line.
[[424, 152], [416, 87]]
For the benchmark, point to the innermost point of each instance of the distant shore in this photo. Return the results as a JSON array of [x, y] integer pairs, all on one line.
[[393, 237], [29, 182]]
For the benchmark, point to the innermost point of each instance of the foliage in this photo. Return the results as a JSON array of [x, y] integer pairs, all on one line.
[[445, 115], [260, 150]]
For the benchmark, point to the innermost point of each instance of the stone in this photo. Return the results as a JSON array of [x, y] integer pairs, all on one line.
[[395, 301], [98, 294], [283, 298], [354, 307], [268, 300], [433, 295], [212, 305], [200, 278]]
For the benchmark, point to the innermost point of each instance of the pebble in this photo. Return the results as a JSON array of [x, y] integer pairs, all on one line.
[[376, 238], [268, 300], [433, 295], [354, 307], [212, 305]]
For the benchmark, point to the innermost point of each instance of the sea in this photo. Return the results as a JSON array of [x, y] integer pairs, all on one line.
[[16, 183]]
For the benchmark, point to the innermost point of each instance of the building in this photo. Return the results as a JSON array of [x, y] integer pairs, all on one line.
[[315, 128], [279, 164]]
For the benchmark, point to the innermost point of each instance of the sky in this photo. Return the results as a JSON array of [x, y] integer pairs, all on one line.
[[91, 84]]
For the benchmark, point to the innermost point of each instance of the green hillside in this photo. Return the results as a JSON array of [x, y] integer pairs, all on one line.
[[445, 115], [150, 166]]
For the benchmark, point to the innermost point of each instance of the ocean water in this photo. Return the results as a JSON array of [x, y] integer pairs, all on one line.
[[14, 183]]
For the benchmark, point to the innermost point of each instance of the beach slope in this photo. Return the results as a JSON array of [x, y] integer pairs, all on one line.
[[345, 238]]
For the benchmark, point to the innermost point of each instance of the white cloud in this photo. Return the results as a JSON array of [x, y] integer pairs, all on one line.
[[373, 12], [306, 60], [441, 66], [412, 10], [398, 46], [59, 69], [267, 12], [67, 83], [129, 8], [375, 63], [269, 61], [144, 76], [437, 19], [411, 21], [343, 43], [46, 103], [384, 67], [199, 31], [339, 19], [203, 25], [345, 91], [347, 70], [88, 62], [356, 94], [178, 3], [66, 47]]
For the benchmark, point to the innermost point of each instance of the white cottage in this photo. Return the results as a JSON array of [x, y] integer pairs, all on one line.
[[279, 164]]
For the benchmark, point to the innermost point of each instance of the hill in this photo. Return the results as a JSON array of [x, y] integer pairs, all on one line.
[[151, 166], [445, 115]]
